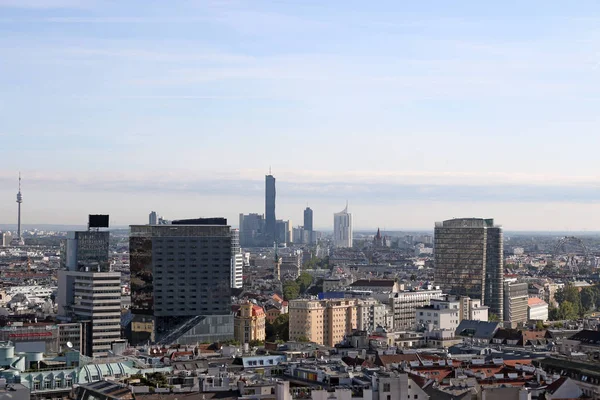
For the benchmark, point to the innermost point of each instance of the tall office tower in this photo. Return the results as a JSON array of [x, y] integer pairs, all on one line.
[[469, 260], [85, 251], [153, 218], [89, 292], [270, 220], [180, 282], [252, 228], [237, 261], [342, 228], [308, 223], [516, 299]]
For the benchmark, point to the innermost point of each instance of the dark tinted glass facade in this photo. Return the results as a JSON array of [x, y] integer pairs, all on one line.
[[308, 219], [469, 260], [270, 220], [180, 274], [92, 251]]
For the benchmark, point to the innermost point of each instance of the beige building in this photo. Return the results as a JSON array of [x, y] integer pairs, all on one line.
[[322, 321], [249, 323]]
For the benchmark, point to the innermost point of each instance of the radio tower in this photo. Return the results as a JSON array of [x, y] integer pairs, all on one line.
[[19, 240]]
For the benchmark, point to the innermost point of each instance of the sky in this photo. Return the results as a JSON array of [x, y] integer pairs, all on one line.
[[413, 112]]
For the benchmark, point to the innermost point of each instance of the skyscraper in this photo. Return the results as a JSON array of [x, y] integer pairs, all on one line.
[[468, 254], [308, 223], [88, 291], [270, 220], [180, 282], [153, 218], [342, 228]]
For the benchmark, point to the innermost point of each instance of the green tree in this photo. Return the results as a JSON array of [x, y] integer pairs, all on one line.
[[493, 318], [539, 326], [291, 290], [553, 314], [303, 339], [279, 329], [567, 310], [570, 294], [304, 281], [588, 298]]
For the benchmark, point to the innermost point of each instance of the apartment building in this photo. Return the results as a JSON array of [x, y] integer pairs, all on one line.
[[371, 314], [322, 321], [249, 323], [404, 305]]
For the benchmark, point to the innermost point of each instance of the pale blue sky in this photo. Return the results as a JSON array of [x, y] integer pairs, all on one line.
[[412, 111]]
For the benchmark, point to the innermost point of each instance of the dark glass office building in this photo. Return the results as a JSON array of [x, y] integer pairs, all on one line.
[[270, 220], [180, 282], [468, 254]]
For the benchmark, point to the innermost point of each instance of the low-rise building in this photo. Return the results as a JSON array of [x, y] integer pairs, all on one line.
[[537, 309]]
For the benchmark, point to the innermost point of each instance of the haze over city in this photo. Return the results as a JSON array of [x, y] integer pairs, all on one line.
[[411, 112]]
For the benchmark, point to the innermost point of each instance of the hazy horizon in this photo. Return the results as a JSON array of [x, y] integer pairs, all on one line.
[[411, 112]]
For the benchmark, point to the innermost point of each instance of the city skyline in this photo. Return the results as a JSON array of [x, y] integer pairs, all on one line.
[[441, 109]]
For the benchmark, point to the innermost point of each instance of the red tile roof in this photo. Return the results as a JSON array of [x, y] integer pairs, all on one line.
[[534, 301]]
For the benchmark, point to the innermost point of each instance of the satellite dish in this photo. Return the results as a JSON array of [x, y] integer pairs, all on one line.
[[70, 345]]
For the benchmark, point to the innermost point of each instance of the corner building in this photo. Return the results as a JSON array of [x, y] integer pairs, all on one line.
[[322, 321], [180, 282], [468, 254]]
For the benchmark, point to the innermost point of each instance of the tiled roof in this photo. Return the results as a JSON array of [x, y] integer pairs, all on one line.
[[535, 301]]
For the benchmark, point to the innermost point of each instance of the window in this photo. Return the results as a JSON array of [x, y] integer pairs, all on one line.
[[386, 387], [416, 396]]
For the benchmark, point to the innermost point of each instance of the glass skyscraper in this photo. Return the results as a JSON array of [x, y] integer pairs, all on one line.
[[270, 220], [468, 254]]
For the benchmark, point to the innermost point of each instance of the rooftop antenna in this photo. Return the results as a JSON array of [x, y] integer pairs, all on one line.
[[270, 170]]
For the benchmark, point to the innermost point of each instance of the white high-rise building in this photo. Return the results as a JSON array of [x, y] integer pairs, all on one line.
[[342, 228], [237, 261]]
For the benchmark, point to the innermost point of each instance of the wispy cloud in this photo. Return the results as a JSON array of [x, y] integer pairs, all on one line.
[[361, 186], [47, 4]]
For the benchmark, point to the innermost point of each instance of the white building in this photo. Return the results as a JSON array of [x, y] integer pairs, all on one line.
[[537, 309], [370, 314], [95, 297], [237, 261], [404, 305], [342, 228]]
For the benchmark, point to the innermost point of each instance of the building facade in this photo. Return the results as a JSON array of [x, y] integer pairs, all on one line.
[[249, 323], [516, 296], [180, 281], [270, 220], [85, 251], [88, 292], [371, 314], [537, 309], [342, 228], [252, 230], [468, 256], [404, 305], [308, 223], [237, 261], [152, 218], [93, 298], [323, 322]]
